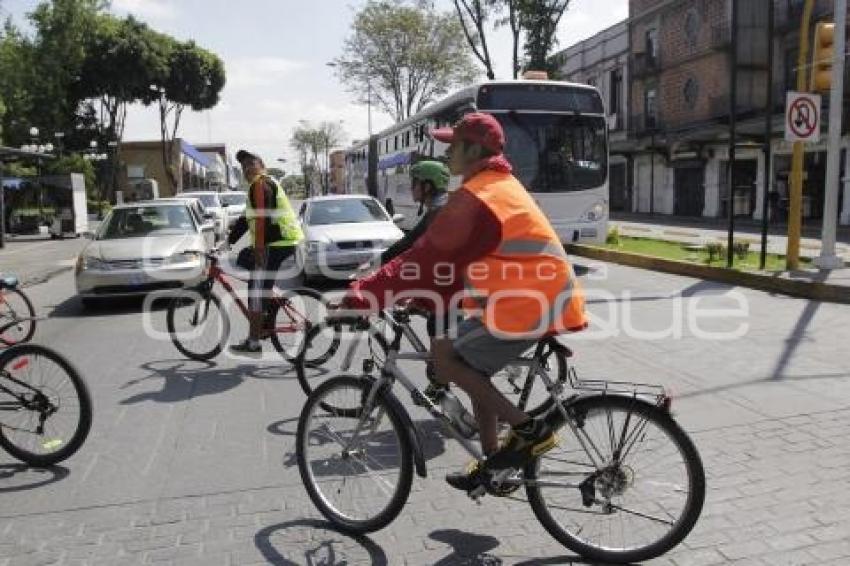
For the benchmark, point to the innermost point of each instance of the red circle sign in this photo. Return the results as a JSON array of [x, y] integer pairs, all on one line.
[[803, 117]]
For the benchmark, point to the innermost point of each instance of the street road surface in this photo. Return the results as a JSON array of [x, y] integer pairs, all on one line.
[[192, 463]]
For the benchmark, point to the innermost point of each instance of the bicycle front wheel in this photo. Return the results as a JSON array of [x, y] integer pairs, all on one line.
[[197, 325], [641, 491], [17, 317], [357, 466], [45, 406], [332, 349], [292, 315]]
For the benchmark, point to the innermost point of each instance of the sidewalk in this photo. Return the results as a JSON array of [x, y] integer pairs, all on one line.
[[695, 231], [36, 259]]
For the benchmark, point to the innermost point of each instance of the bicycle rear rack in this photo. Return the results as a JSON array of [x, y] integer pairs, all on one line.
[[655, 394]]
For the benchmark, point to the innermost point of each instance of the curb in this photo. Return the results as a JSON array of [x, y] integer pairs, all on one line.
[[814, 290]]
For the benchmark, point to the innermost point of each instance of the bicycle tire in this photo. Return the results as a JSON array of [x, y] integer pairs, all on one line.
[[695, 474], [306, 378], [399, 498], [174, 334], [30, 314], [83, 426], [287, 354]]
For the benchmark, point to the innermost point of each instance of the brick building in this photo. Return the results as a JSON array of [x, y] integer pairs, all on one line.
[[679, 71], [337, 166]]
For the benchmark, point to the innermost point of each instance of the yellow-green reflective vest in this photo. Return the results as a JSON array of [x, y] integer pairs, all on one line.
[[282, 228]]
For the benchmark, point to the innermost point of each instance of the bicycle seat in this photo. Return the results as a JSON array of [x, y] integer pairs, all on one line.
[[8, 282]]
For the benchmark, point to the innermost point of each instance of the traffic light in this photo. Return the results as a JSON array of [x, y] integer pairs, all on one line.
[[823, 56]]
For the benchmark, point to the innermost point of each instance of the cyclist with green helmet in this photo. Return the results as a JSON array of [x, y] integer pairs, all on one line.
[[429, 183]]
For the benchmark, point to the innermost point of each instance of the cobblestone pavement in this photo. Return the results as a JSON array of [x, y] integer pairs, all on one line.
[[193, 464]]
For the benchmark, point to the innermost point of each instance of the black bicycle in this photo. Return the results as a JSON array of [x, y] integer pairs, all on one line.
[[626, 483], [45, 406]]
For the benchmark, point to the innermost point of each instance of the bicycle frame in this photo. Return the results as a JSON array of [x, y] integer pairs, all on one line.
[[217, 274], [392, 373]]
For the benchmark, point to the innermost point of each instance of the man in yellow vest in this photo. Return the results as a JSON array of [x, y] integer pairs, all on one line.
[[516, 282], [274, 233]]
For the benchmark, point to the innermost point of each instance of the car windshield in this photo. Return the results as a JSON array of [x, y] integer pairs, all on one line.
[[556, 153], [207, 200], [146, 221], [232, 198], [344, 211]]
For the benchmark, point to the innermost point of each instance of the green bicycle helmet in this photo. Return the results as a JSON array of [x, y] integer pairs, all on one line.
[[434, 171]]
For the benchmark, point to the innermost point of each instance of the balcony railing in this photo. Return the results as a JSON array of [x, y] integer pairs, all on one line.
[[644, 64]]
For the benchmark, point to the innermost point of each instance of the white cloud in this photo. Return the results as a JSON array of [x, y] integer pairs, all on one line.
[[147, 9], [259, 71]]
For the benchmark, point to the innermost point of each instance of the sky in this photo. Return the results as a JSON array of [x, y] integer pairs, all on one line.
[[275, 54]]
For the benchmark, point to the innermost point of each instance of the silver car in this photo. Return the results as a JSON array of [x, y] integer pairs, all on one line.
[[212, 203], [143, 247], [342, 232], [234, 202]]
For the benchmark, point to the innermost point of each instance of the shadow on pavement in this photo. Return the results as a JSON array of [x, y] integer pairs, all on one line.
[[21, 477], [287, 544], [468, 549], [431, 433], [185, 379], [72, 307]]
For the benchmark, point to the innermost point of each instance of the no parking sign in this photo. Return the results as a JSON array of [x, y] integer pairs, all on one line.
[[802, 117]]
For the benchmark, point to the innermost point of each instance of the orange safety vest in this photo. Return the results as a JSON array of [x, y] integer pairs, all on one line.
[[525, 286]]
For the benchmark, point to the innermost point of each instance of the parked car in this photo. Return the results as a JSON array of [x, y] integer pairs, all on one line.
[[235, 203], [343, 231], [212, 203], [140, 248]]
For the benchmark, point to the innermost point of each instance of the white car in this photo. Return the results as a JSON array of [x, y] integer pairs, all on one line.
[[143, 247], [341, 232], [212, 203], [235, 202]]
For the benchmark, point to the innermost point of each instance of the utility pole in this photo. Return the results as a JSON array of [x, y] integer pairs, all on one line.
[[792, 253], [733, 136], [768, 134], [828, 259]]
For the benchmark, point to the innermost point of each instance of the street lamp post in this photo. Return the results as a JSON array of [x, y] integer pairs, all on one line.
[[59, 146]]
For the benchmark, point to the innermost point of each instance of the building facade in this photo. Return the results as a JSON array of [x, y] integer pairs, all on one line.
[[141, 162], [678, 73]]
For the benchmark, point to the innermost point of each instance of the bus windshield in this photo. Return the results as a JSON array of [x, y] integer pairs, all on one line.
[[556, 153]]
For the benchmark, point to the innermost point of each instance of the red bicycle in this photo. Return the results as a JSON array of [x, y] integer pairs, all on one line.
[[199, 327], [17, 315]]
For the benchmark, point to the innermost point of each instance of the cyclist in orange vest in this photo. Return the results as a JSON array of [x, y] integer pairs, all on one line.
[[516, 282]]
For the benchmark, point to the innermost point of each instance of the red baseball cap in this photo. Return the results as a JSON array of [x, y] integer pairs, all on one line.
[[478, 128]]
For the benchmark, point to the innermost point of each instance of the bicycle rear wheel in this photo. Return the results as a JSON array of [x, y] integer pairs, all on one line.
[[45, 406], [640, 497], [357, 472], [17, 317], [197, 325], [293, 314]]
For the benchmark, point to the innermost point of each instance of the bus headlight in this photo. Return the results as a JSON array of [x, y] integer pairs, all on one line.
[[596, 212]]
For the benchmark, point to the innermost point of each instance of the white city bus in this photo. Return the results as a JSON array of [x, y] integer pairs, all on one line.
[[557, 142]]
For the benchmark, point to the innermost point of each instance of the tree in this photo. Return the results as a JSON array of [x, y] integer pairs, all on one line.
[[194, 78], [407, 56], [73, 163], [473, 16], [294, 186], [314, 145], [539, 19]]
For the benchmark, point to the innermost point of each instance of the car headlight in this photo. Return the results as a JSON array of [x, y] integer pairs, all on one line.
[[184, 257], [86, 262], [596, 212]]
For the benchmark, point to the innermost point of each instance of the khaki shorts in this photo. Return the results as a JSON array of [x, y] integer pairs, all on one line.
[[484, 352]]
